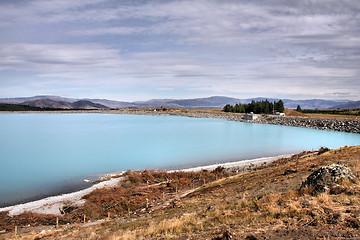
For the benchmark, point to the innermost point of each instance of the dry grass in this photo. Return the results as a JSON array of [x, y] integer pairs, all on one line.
[[324, 198], [332, 116], [245, 205], [164, 228]]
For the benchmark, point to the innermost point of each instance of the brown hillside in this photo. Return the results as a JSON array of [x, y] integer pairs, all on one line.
[[265, 203], [291, 112]]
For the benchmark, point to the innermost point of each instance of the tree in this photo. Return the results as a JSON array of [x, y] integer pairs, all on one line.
[[298, 108], [265, 107], [250, 107], [237, 108], [279, 106], [257, 108], [242, 108], [228, 108]]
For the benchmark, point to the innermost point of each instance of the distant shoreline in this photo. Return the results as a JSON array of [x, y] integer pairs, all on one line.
[[341, 125]]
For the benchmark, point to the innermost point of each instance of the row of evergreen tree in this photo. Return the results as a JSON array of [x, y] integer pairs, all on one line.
[[258, 107]]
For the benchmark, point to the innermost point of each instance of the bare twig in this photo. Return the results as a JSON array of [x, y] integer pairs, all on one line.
[[306, 224]]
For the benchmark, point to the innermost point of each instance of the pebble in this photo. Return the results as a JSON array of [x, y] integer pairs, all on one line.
[[341, 125]]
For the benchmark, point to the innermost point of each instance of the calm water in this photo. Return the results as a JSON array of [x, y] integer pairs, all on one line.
[[43, 154]]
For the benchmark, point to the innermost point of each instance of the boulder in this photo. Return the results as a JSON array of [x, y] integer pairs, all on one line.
[[329, 177]]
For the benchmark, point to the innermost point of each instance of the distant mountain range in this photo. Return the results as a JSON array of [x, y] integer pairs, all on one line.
[[348, 105], [210, 102], [43, 102]]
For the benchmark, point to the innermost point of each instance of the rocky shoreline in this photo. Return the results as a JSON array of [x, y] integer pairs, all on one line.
[[342, 125], [350, 126]]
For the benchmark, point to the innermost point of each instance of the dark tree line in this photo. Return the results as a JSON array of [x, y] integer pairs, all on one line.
[[19, 107], [265, 107]]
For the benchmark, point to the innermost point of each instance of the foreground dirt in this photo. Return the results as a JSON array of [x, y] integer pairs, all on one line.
[[265, 203]]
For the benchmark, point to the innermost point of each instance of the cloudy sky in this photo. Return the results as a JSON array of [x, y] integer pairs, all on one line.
[[139, 50]]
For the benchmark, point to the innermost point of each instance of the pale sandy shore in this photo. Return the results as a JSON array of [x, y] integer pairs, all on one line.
[[242, 165], [52, 205]]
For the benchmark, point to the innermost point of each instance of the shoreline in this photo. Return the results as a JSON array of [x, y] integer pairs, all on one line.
[[329, 124], [340, 125], [53, 204]]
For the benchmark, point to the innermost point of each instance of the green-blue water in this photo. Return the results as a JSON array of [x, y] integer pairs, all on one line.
[[42, 154]]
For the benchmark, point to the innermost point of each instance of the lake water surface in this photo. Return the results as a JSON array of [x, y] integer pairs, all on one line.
[[44, 154]]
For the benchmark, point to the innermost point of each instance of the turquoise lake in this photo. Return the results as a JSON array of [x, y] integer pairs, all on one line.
[[45, 154]]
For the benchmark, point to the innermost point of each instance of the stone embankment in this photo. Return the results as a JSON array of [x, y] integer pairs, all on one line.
[[341, 125], [317, 123]]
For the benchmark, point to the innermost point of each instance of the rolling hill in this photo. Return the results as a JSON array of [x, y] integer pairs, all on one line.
[[209, 102], [47, 103], [348, 105]]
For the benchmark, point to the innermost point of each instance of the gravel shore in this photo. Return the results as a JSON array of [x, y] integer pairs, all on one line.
[[342, 125]]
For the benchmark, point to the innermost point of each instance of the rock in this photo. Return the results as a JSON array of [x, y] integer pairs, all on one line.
[[67, 209], [328, 124], [323, 150], [352, 222], [225, 236], [331, 217], [329, 176], [289, 171], [337, 190], [251, 237], [305, 203], [210, 208]]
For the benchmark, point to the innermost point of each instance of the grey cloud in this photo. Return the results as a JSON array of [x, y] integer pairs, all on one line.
[[109, 31], [314, 43], [45, 57]]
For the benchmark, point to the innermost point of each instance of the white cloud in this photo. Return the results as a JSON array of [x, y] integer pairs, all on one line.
[[109, 31], [165, 89], [204, 45], [57, 57]]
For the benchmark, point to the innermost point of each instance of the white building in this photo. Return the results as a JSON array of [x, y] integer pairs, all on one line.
[[280, 114], [251, 116]]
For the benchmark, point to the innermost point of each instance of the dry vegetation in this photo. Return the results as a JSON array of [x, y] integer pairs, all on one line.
[[266, 203], [333, 116]]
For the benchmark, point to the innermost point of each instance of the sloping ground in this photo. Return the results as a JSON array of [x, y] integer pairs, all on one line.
[[263, 204], [46, 103], [81, 104], [333, 116], [293, 113]]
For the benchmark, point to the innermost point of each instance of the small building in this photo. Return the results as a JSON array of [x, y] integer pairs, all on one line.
[[280, 114], [251, 116]]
